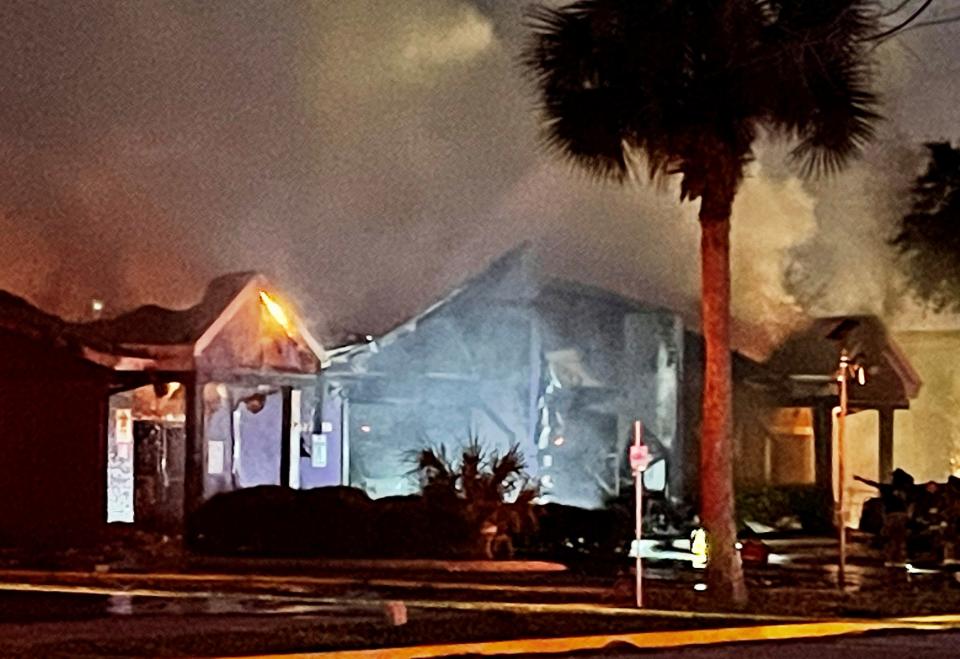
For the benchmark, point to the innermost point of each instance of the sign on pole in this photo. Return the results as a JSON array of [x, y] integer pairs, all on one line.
[[639, 461]]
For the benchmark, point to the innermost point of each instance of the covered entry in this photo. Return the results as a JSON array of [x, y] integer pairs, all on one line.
[[207, 399], [806, 364]]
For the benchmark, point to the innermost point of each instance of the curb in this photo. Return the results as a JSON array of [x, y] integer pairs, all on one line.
[[96, 579]]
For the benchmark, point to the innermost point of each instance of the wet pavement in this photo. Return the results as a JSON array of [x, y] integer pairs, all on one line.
[[27, 607], [200, 622], [21, 608], [129, 614], [204, 624]]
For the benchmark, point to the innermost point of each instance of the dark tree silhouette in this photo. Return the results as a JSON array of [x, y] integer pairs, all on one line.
[[685, 87], [928, 238]]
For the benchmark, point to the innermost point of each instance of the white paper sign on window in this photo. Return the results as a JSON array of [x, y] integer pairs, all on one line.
[[318, 451], [120, 467], [214, 457], [124, 426]]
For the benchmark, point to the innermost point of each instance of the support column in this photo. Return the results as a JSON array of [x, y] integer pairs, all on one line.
[[285, 419], [823, 459], [344, 440], [823, 447], [885, 452], [194, 453]]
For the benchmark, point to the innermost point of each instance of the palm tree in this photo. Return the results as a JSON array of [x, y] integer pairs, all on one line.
[[685, 87], [491, 491]]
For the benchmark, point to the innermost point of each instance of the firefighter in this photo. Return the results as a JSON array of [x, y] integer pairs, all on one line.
[[897, 499]]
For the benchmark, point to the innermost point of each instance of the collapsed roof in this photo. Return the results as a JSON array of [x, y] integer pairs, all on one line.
[[228, 328]]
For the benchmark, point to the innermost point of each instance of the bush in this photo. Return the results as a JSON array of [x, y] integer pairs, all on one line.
[[332, 522], [571, 533], [484, 499], [278, 521], [772, 505]]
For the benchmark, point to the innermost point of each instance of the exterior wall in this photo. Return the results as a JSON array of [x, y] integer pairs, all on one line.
[[252, 339], [774, 445], [218, 434], [927, 436], [560, 368], [145, 469], [493, 369], [860, 442], [470, 369], [652, 377], [52, 418], [322, 443], [260, 443], [244, 448]]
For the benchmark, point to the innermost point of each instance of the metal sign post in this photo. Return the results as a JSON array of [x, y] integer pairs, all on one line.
[[848, 368], [639, 461], [842, 374]]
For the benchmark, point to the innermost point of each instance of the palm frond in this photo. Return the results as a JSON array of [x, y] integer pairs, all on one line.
[[583, 115], [816, 79], [506, 468], [683, 86], [431, 464]]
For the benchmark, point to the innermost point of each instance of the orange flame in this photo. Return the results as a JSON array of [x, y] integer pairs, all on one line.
[[277, 312]]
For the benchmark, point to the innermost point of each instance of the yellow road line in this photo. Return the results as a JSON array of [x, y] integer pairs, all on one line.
[[645, 640], [942, 619]]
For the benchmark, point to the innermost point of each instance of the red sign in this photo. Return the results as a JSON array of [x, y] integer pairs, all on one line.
[[639, 457]]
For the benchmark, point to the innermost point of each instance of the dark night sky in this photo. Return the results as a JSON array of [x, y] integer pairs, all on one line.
[[368, 154]]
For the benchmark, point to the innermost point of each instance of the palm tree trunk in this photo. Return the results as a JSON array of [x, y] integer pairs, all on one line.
[[724, 571]]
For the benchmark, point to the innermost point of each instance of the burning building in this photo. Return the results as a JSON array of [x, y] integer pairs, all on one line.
[[562, 369], [151, 412], [139, 418], [802, 426], [559, 368]]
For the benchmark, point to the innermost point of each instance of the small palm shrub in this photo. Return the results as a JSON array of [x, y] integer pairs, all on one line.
[[489, 492]]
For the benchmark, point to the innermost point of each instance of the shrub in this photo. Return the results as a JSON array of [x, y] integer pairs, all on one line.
[[774, 504], [488, 495]]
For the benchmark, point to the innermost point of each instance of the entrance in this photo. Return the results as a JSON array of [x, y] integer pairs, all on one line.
[[145, 457]]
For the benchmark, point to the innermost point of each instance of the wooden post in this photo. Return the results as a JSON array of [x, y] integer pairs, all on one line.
[[285, 418], [885, 451], [843, 381], [344, 440], [194, 453], [823, 449]]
